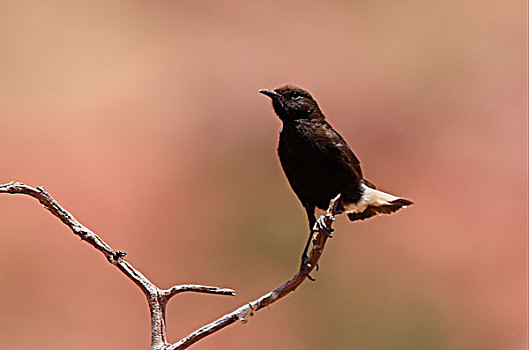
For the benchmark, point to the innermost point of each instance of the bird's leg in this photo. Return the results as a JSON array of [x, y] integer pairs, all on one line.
[[312, 221], [304, 257]]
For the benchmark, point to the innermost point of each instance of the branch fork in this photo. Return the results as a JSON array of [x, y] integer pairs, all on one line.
[[158, 298]]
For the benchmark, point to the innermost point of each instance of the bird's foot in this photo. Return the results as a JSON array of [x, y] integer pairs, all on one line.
[[310, 277], [305, 264], [321, 226]]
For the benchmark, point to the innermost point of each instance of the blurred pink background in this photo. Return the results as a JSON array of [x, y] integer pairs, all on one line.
[[144, 121]]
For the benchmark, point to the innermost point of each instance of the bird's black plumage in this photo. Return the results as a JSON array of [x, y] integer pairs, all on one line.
[[319, 164]]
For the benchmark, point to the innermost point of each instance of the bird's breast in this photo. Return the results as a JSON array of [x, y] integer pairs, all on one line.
[[315, 166]]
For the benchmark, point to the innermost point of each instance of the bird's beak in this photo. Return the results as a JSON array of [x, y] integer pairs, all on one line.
[[270, 93]]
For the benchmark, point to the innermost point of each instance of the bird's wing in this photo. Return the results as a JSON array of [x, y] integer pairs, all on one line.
[[346, 152], [370, 184], [339, 145]]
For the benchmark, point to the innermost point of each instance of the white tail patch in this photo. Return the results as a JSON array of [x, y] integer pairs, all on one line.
[[371, 198]]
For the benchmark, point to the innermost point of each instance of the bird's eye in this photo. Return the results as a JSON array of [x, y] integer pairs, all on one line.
[[295, 95]]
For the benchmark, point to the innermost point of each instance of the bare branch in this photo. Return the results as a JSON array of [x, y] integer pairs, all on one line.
[[244, 312], [156, 297], [168, 293]]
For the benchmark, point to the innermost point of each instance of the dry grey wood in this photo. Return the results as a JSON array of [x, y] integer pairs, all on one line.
[[156, 297]]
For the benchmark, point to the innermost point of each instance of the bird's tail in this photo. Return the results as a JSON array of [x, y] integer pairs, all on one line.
[[374, 202]]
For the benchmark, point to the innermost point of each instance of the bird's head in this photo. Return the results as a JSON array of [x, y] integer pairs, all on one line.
[[293, 103]]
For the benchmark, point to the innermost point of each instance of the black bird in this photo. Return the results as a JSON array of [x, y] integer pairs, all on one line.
[[319, 164]]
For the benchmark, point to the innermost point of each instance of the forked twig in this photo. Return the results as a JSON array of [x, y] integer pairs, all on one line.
[[158, 298]]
